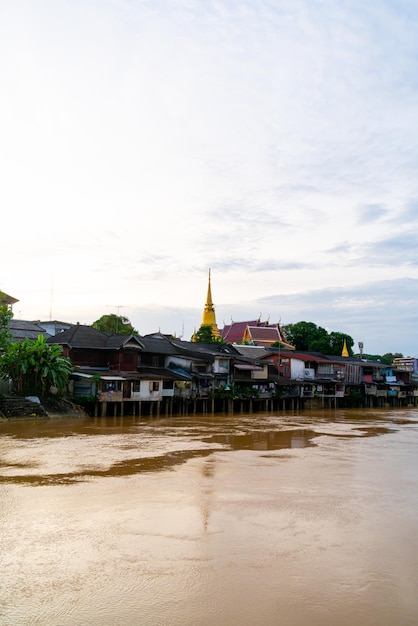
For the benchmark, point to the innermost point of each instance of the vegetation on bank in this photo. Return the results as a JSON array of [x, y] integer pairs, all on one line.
[[34, 367]]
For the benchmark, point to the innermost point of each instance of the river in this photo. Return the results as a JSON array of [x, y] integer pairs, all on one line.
[[304, 519]]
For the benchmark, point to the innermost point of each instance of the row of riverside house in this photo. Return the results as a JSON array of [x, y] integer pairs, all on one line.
[[153, 374], [157, 374]]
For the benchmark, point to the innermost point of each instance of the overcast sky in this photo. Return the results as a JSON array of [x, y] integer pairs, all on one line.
[[273, 141]]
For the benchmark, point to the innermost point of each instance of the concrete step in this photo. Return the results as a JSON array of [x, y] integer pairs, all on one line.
[[13, 407]]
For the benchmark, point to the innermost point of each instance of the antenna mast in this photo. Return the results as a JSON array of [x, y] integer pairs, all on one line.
[[117, 307]]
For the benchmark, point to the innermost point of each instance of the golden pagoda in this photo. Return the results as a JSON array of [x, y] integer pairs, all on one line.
[[209, 318], [345, 350]]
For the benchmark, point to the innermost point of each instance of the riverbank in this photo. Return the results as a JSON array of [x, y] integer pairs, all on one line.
[[16, 408], [13, 408]]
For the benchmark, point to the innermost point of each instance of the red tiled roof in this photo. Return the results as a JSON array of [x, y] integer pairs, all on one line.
[[233, 333], [268, 333]]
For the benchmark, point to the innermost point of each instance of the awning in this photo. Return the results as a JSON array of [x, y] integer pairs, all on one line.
[[252, 368], [83, 375], [181, 372]]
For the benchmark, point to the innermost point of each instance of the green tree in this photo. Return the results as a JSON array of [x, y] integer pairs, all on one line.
[[5, 316], [387, 358], [35, 366], [306, 336], [113, 323], [336, 343], [205, 335]]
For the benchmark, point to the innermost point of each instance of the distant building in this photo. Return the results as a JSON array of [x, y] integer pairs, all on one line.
[[23, 329], [53, 327], [7, 300], [406, 364]]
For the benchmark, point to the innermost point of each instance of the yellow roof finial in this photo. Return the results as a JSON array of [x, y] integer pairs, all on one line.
[[345, 351], [209, 303]]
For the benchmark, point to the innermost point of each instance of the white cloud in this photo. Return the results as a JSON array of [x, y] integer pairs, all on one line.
[[143, 143]]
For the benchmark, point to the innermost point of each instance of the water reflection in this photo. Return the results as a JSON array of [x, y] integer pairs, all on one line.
[[268, 440], [128, 467]]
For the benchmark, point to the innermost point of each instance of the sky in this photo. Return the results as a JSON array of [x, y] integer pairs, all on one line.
[[274, 142]]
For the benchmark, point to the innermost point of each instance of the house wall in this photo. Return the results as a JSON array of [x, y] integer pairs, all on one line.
[[129, 360], [352, 374], [260, 375], [150, 390], [297, 368], [221, 366], [92, 358]]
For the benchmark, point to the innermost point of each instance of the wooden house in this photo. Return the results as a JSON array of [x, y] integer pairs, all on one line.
[[115, 368]]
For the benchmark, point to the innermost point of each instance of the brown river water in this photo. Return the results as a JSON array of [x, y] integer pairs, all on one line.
[[246, 520]]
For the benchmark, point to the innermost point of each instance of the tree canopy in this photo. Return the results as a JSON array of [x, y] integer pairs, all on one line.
[[205, 335], [386, 358], [113, 323], [307, 336]]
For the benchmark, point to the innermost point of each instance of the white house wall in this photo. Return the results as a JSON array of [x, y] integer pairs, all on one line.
[[147, 391], [297, 369]]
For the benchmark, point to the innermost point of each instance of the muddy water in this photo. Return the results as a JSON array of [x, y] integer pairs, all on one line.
[[290, 520]]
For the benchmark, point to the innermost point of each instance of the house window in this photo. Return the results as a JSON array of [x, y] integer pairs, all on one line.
[[136, 386]]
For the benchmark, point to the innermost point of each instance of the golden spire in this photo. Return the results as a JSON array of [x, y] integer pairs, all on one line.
[[209, 318], [345, 350]]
